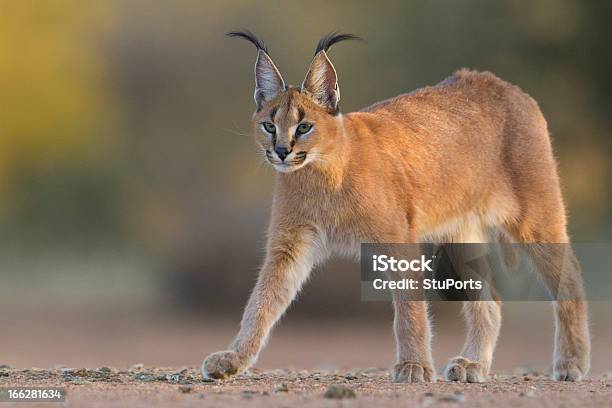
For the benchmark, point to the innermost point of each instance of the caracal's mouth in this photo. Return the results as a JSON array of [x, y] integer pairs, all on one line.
[[293, 162]]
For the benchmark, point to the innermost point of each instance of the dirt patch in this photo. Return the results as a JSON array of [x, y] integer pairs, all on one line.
[[141, 386]]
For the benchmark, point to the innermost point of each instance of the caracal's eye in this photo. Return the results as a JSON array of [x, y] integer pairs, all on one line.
[[302, 129], [269, 127]]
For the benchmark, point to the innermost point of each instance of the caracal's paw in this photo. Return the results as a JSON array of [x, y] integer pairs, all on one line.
[[412, 372], [464, 370], [221, 365], [564, 370]]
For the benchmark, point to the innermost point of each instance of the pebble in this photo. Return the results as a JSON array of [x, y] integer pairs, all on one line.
[[339, 391], [75, 372], [173, 378], [146, 377], [185, 389]]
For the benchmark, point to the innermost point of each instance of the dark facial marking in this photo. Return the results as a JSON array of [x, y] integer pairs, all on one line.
[[273, 113], [301, 114]]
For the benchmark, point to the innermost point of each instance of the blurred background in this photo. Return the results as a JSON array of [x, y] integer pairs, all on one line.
[[133, 204]]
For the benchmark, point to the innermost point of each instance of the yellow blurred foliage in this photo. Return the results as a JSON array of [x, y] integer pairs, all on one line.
[[52, 86]]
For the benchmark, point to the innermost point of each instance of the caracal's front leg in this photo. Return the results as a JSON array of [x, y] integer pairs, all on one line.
[[411, 328], [289, 260], [413, 341]]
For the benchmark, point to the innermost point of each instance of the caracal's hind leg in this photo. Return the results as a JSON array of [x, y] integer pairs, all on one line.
[[483, 320], [560, 272], [546, 242]]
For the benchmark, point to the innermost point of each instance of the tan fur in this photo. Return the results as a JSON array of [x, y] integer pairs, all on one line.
[[443, 164]]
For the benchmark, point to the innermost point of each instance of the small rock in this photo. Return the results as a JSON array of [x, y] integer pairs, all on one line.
[[177, 376], [526, 378], [76, 372], [102, 373], [185, 389], [146, 377], [528, 394], [339, 391], [173, 378], [5, 367], [281, 388]]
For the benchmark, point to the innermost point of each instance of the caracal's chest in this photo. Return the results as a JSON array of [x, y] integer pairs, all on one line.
[[342, 224]]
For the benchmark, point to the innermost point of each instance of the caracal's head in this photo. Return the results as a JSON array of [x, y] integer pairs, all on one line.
[[296, 126]]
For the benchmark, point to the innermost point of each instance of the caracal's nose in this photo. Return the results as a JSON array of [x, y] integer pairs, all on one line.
[[282, 152]]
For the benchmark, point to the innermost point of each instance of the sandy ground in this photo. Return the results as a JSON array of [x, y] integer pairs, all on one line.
[[44, 337], [306, 356], [183, 387]]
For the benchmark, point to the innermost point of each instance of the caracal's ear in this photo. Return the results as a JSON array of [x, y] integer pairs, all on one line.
[[268, 80], [321, 80]]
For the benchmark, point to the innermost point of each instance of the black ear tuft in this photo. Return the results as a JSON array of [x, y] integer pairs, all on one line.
[[332, 38], [249, 36]]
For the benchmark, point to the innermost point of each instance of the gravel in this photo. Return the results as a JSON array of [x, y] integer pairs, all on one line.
[[142, 386]]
